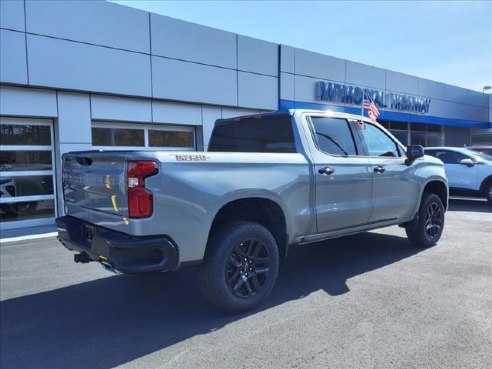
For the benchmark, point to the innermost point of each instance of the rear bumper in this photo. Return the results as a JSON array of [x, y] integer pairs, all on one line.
[[125, 253]]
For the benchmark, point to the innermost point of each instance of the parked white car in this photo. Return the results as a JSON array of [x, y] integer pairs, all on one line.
[[469, 172]]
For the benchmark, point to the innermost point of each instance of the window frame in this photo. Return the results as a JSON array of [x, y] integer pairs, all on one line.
[[146, 128], [355, 138]]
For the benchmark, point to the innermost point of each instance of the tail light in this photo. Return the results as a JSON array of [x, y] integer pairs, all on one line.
[[140, 199]]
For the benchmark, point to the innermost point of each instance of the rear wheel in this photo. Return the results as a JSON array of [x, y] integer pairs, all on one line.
[[430, 224], [240, 267]]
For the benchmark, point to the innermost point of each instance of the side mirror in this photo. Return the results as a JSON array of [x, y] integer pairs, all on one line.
[[467, 162], [414, 152]]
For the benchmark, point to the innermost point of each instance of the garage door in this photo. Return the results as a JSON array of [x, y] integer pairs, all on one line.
[[27, 195]]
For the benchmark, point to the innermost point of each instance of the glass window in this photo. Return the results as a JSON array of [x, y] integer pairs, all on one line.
[[433, 128], [158, 138], [447, 156], [30, 185], [27, 210], [117, 137], [333, 136], [379, 143], [24, 134], [25, 160], [402, 136], [402, 126], [254, 134], [417, 138], [417, 127]]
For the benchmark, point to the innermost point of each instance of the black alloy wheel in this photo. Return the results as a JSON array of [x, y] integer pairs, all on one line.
[[434, 220], [430, 225], [247, 268], [240, 266]]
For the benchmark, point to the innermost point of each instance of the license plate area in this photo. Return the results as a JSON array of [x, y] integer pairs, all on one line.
[[89, 232]]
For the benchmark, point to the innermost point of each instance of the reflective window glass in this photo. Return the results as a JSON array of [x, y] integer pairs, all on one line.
[[27, 210], [158, 138], [117, 137], [402, 136], [24, 134], [379, 143], [25, 160], [333, 136], [269, 133], [14, 186]]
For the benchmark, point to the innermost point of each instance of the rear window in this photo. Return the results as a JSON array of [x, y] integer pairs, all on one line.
[[254, 134]]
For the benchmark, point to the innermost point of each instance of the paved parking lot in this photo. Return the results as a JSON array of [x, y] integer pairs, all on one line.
[[366, 301]]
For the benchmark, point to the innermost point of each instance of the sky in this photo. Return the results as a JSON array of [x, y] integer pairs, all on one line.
[[444, 41]]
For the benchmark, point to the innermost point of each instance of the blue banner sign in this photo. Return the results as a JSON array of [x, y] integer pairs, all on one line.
[[346, 94]]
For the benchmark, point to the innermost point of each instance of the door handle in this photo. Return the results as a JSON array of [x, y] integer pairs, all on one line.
[[326, 171], [379, 169]]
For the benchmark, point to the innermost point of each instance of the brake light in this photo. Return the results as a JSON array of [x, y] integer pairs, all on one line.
[[140, 199]]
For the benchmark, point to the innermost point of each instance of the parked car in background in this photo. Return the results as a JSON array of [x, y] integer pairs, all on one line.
[[469, 172], [483, 149]]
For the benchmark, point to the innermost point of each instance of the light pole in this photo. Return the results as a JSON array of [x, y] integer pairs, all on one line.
[[486, 88]]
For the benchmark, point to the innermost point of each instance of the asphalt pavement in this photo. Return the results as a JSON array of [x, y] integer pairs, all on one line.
[[365, 301]]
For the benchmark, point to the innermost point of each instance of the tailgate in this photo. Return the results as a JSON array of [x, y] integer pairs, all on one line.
[[94, 187]]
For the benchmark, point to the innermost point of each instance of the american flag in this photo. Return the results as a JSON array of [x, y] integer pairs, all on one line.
[[371, 108]]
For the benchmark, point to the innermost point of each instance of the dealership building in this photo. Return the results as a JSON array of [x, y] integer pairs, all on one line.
[[84, 75]]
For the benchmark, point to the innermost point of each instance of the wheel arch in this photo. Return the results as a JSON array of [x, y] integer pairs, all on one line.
[[260, 210], [440, 189], [485, 182]]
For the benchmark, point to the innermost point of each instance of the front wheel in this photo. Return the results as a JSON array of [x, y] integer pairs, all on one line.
[[240, 266], [430, 224], [488, 192]]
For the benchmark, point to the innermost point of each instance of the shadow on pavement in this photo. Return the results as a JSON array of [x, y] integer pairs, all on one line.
[[111, 321], [470, 205]]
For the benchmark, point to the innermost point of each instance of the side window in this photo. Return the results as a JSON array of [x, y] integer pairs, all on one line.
[[269, 133], [450, 157], [379, 143], [333, 136]]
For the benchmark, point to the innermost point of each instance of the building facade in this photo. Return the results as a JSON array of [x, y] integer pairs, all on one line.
[[85, 75]]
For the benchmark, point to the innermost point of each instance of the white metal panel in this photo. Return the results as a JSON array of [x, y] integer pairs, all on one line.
[[12, 15], [25, 101], [305, 89], [182, 40], [477, 99], [74, 117], [94, 22], [210, 115], [453, 110], [13, 57], [72, 65], [287, 59], [403, 83], [287, 86], [453, 93], [176, 113], [432, 89], [365, 75], [120, 108], [257, 56], [257, 91], [237, 112], [178, 80], [312, 64]]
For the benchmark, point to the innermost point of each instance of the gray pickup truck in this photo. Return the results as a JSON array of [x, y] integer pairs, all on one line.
[[267, 182]]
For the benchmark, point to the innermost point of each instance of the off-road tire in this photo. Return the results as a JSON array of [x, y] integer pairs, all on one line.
[[232, 277], [430, 224]]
